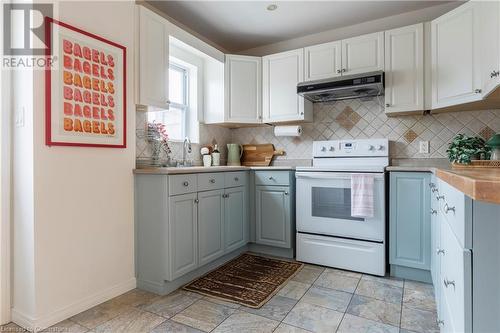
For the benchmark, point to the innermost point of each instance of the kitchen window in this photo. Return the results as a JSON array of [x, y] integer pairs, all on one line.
[[177, 118]]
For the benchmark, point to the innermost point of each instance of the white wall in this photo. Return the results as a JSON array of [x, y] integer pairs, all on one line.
[[386, 23], [81, 228]]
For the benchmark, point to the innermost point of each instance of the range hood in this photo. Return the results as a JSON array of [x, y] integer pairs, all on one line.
[[343, 87]]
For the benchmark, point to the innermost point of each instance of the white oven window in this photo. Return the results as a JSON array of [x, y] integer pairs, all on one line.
[[331, 202]]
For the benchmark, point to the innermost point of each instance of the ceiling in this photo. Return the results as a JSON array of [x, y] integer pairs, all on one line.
[[241, 25]]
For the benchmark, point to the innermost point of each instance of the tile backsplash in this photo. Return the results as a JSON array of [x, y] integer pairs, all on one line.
[[366, 119], [347, 120]]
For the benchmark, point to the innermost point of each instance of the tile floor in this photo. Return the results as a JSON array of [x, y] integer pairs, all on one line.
[[317, 299]]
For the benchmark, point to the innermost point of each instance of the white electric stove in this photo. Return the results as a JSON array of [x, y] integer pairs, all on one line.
[[327, 234]]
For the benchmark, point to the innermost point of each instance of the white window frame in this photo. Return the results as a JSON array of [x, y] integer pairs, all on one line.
[[185, 107]]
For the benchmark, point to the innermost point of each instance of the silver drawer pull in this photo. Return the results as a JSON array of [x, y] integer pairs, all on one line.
[[440, 251], [212, 181], [448, 209], [432, 185], [286, 193], [440, 322], [236, 179], [439, 197], [271, 178], [448, 283], [185, 183], [196, 200], [433, 211], [225, 195], [435, 190]]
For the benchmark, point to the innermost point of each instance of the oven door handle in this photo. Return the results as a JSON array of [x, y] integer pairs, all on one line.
[[332, 175]]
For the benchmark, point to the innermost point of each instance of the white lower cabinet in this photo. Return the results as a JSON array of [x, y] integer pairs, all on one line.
[[210, 225], [183, 234]]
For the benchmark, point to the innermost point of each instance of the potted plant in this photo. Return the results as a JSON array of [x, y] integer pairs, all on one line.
[[463, 149]]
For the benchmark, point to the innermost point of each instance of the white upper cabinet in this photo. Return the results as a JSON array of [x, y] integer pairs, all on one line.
[[404, 69], [243, 89], [153, 59], [323, 61], [456, 67], [490, 45], [281, 73], [363, 54]]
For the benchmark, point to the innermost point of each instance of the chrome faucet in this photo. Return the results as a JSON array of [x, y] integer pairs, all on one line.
[[186, 149]]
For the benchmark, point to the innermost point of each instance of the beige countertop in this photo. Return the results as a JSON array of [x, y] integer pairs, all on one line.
[[201, 169]]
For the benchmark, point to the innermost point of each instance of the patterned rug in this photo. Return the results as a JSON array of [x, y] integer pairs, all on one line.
[[249, 279]]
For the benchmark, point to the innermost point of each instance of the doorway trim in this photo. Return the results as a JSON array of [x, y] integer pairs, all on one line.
[[5, 192]]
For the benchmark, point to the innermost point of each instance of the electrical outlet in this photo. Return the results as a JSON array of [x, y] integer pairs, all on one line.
[[19, 117], [424, 147]]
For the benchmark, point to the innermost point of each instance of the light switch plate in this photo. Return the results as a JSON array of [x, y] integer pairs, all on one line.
[[19, 117], [424, 147]]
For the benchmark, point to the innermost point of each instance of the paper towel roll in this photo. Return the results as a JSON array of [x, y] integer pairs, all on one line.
[[287, 130]]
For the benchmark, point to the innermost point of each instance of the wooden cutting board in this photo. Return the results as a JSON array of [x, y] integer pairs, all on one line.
[[259, 155]]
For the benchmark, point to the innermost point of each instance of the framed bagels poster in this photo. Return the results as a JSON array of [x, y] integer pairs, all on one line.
[[85, 90]]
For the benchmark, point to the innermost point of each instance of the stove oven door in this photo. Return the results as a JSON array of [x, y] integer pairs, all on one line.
[[323, 202]]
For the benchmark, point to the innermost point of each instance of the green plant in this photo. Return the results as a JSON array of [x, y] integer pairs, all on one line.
[[464, 148]]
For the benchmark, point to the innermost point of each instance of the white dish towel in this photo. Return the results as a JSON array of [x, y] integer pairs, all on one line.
[[362, 195]]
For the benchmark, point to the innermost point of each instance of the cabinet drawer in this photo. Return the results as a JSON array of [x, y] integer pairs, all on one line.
[[272, 178], [181, 184], [210, 181], [456, 208], [233, 179], [456, 281]]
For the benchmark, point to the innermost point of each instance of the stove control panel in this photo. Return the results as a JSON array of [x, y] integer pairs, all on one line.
[[351, 148]]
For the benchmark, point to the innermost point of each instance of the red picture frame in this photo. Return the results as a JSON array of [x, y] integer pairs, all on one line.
[[50, 139]]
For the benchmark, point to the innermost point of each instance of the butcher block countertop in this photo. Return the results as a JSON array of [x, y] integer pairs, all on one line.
[[479, 184]]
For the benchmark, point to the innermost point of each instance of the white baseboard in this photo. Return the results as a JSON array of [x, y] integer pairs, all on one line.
[[40, 323]]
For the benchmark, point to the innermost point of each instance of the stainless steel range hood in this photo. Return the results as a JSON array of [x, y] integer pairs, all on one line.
[[343, 87]]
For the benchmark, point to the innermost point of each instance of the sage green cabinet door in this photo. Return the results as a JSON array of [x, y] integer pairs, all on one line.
[[273, 216], [210, 225], [183, 231], [236, 226], [409, 220]]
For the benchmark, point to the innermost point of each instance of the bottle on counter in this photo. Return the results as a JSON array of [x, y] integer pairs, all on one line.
[[216, 156]]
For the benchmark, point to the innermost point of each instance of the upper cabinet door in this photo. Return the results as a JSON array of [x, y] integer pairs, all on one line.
[[363, 54], [243, 89], [404, 69], [281, 74], [456, 76], [153, 59], [490, 45], [323, 61]]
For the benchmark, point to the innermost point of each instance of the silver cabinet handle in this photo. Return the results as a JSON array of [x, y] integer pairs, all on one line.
[[478, 91], [448, 283], [494, 74], [339, 71], [212, 181], [435, 189], [440, 322], [432, 185], [271, 178], [286, 193], [448, 208], [185, 183], [440, 251], [439, 197], [196, 200], [344, 70], [433, 212], [236, 179], [167, 102], [225, 195], [387, 105], [302, 113]]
